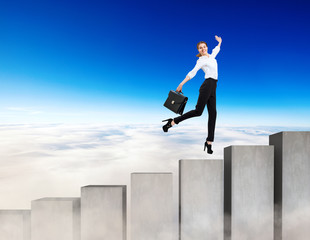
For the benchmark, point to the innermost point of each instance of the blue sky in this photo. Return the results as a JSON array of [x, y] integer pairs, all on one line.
[[63, 61]]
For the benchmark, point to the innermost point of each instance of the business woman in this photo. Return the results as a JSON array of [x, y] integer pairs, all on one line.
[[207, 91]]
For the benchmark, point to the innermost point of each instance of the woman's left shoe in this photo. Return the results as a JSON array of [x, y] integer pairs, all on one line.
[[208, 146], [168, 124]]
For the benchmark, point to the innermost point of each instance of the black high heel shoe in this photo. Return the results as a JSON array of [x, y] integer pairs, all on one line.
[[208, 146], [168, 124]]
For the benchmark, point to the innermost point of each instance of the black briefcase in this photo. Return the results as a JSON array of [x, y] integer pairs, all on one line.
[[176, 102]]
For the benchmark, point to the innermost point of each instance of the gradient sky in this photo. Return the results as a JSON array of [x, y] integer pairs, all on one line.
[[106, 61]]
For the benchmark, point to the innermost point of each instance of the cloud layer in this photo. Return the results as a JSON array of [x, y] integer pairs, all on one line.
[[55, 160]]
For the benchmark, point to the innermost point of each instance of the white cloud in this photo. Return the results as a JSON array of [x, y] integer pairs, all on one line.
[[27, 110], [57, 159]]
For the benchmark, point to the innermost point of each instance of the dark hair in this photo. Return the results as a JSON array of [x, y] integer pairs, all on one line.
[[199, 55]]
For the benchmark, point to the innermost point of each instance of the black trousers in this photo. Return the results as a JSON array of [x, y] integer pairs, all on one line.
[[207, 96]]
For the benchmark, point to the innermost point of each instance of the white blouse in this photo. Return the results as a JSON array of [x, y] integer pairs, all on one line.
[[208, 65]]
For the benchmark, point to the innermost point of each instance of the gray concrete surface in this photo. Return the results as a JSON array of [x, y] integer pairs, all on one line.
[[248, 192], [55, 218], [201, 199], [103, 212], [152, 206], [15, 224], [292, 185]]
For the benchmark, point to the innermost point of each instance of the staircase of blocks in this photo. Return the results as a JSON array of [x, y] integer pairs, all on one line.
[[255, 193]]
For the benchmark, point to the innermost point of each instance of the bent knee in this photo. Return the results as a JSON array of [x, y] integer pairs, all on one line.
[[198, 112]]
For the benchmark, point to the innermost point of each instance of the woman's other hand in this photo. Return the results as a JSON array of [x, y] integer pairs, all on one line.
[[179, 88]]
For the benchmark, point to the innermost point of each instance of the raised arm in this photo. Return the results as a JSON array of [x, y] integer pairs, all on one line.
[[219, 39], [216, 50]]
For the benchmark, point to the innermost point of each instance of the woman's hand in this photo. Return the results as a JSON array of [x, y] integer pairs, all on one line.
[[219, 39], [179, 88]]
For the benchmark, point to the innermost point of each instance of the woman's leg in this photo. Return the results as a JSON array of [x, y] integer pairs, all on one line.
[[204, 94], [211, 105]]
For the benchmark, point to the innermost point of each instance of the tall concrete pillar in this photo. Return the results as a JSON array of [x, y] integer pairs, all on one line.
[[55, 218], [292, 189], [15, 224], [248, 192], [201, 187], [151, 206], [103, 212]]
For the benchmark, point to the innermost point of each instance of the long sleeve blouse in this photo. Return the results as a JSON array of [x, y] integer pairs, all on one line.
[[208, 64]]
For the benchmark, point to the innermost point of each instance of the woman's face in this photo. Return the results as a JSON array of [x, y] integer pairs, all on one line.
[[203, 49]]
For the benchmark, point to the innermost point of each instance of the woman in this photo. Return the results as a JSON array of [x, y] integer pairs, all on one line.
[[207, 91]]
